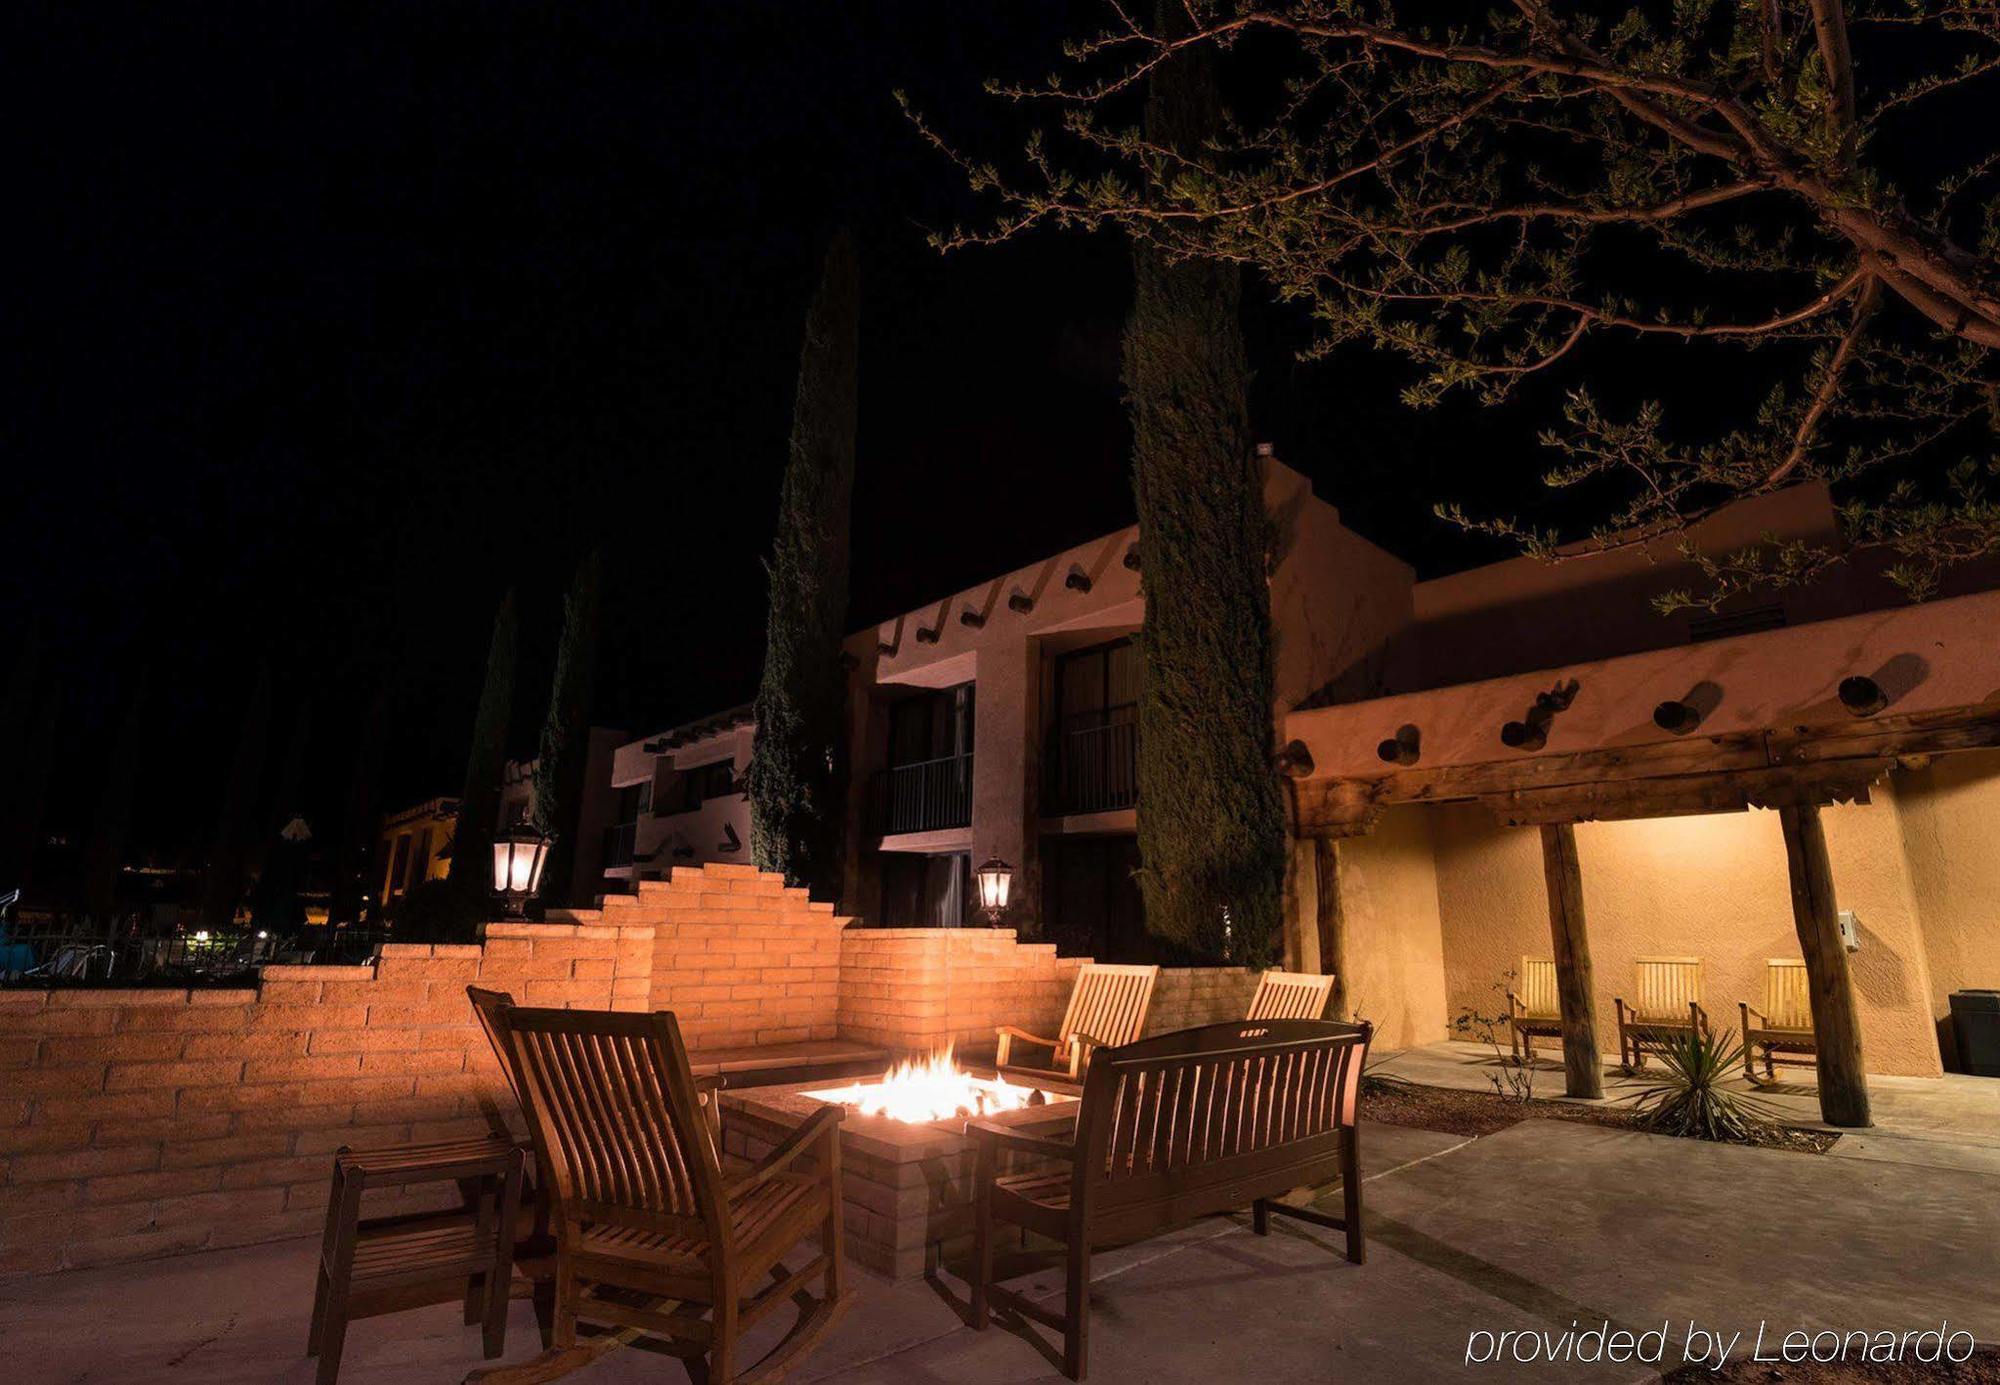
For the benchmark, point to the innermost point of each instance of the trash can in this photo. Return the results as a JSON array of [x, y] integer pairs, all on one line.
[[1975, 1015]]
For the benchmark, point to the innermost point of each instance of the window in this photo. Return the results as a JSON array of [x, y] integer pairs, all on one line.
[[925, 891], [621, 838], [399, 857], [933, 726], [698, 785], [1094, 741]]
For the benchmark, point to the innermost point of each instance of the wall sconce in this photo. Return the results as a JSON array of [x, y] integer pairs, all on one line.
[[518, 856]]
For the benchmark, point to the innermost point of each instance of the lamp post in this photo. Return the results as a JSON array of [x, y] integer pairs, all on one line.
[[518, 854], [996, 882]]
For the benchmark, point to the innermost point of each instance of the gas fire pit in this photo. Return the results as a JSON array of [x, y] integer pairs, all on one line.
[[906, 1164]]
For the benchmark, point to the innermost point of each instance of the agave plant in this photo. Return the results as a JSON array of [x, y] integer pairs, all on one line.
[[1690, 1098]]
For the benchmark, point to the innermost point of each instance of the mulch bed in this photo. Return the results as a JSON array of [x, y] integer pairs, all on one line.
[[1454, 1112], [1981, 1368]]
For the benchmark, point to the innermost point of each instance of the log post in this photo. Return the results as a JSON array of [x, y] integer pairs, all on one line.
[[1583, 1074], [1843, 1084], [1330, 919]]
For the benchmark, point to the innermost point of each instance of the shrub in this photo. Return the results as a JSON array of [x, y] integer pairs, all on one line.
[[1690, 1100]]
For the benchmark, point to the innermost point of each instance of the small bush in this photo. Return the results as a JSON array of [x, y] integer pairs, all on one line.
[[436, 912], [1690, 1100]]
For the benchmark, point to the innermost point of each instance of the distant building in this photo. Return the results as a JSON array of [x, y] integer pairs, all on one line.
[[414, 847], [677, 799]]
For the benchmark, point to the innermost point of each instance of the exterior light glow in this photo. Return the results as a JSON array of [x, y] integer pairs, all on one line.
[[996, 882], [518, 854]]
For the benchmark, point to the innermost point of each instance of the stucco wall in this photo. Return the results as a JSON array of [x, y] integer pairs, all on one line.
[[1395, 945], [1949, 814], [1711, 886]]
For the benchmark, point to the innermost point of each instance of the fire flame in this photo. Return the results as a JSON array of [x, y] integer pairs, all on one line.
[[933, 1089]]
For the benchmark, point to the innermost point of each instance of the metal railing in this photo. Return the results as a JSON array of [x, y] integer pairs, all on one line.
[[925, 796], [1097, 763], [621, 842]]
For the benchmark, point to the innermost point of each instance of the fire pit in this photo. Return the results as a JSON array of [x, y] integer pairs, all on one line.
[[906, 1164]]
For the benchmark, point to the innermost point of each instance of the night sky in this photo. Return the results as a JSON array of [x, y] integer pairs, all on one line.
[[334, 322]]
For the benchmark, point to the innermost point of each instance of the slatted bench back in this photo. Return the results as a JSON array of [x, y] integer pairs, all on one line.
[[1665, 987], [618, 1128], [1537, 988], [1109, 1003], [1290, 995], [1787, 997], [1183, 1123]]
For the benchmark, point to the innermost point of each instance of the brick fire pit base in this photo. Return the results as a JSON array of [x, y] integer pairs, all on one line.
[[907, 1188]]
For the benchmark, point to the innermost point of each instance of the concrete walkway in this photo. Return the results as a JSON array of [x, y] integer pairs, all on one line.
[[1542, 1225], [1950, 1122]]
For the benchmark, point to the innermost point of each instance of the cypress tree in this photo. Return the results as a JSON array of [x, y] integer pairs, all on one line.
[[32, 772], [17, 729], [236, 820], [798, 763], [111, 823], [565, 746], [479, 804], [282, 857], [1211, 821]]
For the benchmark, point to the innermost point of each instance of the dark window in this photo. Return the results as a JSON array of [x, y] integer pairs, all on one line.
[[621, 838], [1096, 731], [925, 891], [698, 785], [932, 726], [1090, 898], [928, 784]]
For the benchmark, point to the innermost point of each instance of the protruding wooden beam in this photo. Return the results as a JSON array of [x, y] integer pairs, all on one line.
[[1843, 1083], [1583, 1074]]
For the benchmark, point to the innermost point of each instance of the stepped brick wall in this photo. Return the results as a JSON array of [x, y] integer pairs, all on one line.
[[136, 1123], [921, 988], [1187, 996]]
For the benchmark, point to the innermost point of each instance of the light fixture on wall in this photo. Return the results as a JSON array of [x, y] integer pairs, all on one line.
[[996, 882], [518, 856]]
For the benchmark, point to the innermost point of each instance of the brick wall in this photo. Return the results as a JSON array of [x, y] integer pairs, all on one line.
[[740, 959], [1187, 996], [921, 988], [148, 1122]]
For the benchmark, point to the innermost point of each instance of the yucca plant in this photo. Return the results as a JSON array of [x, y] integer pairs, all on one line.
[[1690, 1099]]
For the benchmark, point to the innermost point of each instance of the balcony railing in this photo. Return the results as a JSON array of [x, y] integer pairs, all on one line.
[[925, 796], [621, 843], [1097, 763]]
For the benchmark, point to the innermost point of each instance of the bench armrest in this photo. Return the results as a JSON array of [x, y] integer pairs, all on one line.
[[1011, 1032], [988, 1133], [822, 1124]]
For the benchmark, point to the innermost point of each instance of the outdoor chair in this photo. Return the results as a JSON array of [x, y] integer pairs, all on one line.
[[1667, 1008], [1785, 1024], [1169, 1129], [649, 1230], [1290, 995], [1533, 1011], [1107, 1007]]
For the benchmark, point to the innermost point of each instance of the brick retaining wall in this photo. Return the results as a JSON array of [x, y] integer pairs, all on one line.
[[136, 1123]]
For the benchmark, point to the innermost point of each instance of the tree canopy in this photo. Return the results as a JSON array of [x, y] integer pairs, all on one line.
[[1502, 195]]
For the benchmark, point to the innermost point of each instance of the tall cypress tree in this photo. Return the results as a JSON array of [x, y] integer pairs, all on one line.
[[1211, 821], [479, 804], [30, 783], [17, 730], [565, 746], [798, 764], [111, 823], [236, 820], [283, 851]]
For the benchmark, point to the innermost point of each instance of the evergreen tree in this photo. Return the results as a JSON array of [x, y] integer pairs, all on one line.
[[285, 841], [1211, 822], [352, 862], [479, 804], [17, 728], [111, 823], [565, 746], [798, 764], [236, 820], [31, 789]]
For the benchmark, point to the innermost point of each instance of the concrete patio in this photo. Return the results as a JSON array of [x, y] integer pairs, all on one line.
[[1542, 1225]]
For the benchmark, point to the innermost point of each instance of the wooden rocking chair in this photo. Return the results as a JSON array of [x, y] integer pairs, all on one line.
[[1107, 1008], [643, 1212], [1290, 995], [1534, 1011], [1668, 1007], [1785, 1024]]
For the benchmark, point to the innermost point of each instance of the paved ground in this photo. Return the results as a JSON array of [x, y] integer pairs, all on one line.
[[1540, 1226], [1950, 1122]]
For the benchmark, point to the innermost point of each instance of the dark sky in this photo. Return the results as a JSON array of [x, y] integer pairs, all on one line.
[[334, 322]]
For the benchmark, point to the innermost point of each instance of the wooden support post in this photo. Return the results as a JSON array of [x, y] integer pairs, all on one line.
[[1843, 1085], [1583, 1076], [1331, 921]]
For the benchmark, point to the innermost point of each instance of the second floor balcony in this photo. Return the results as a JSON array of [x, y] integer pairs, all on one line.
[[924, 796], [1096, 763]]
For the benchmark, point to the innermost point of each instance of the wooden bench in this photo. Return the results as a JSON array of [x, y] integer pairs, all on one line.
[[1785, 1024], [1290, 995], [1667, 1008], [1107, 1007], [1533, 1011], [1172, 1128]]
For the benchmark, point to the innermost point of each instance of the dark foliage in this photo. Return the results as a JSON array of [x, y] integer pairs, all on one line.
[[798, 771], [353, 858], [565, 745], [438, 911], [236, 820], [479, 804], [111, 823]]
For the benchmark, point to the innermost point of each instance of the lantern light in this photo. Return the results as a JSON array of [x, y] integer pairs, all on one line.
[[518, 855], [996, 882]]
